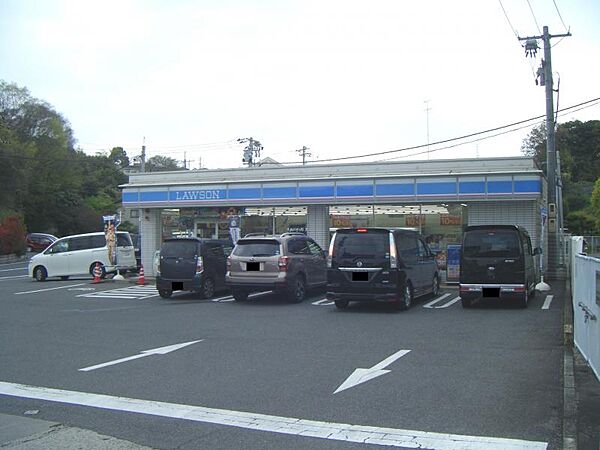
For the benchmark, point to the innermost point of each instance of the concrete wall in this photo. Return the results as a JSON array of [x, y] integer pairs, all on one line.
[[150, 223], [317, 224]]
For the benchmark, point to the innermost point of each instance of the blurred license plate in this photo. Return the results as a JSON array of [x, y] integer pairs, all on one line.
[[253, 267], [360, 276]]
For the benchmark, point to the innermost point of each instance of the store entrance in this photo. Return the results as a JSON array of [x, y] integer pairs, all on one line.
[[211, 228]]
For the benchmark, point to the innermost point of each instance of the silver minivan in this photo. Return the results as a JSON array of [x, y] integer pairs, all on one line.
[[79, 255]]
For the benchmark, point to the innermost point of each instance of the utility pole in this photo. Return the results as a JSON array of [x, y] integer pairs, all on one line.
[[427, 109], [251, 150], [304, 151], [143, 158], [545, 75]]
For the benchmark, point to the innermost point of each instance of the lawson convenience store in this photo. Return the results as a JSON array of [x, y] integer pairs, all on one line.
[[438, 197]]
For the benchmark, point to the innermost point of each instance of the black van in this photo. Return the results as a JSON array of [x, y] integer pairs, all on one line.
[[380, 264], [497, 262], [192, 264]]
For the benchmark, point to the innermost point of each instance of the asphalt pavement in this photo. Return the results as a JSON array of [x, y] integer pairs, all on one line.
[[581, 415]]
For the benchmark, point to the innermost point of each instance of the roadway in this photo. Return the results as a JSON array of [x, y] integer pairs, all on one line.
[[266, 374]]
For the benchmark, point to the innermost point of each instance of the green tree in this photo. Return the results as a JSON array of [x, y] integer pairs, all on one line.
[[578, 145], [595, 203], [55, 187], [162, 164], [119, 157]]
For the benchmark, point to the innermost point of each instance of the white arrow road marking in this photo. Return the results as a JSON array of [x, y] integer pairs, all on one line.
[[50, 289], [361, 375], [438, 299], [547, 302], [361, 434], [154, 351]]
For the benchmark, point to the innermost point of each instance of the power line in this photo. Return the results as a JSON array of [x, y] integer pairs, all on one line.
[[488, 137], [560, 16], [570, 109], [507, 19], [534, 18], [445, 141]]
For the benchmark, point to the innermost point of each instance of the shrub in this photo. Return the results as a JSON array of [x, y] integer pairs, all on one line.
[[12, 235]]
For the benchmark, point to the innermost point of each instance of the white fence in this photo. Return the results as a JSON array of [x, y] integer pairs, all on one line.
[[585, 289]]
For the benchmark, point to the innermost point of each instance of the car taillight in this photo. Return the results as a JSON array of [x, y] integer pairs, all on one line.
[[469, 288], [330, 253], [362, 230], [519, 288], [229, 263], [393, 253], [283, 263], [199, 265]]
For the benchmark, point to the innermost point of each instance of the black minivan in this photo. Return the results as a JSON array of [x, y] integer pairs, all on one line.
[[192, 264], [497, 262], [380, 264]]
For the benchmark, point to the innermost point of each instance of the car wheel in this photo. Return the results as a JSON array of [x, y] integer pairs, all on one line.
[[102, 270], [341, 304], [435, 287], [208, 288], [466, 302], [165, 293], [240, 295], [522, 302], [298, 290], [532, 293], [64, 278], [40, 273], [405, 302]]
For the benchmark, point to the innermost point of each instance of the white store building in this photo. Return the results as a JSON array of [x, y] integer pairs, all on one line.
[[438, 197]]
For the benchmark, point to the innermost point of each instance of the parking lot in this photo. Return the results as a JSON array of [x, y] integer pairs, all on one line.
[[190, 373]]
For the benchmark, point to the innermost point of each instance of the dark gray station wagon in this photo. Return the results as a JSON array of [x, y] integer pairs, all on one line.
[[192, 264], [380, 264]]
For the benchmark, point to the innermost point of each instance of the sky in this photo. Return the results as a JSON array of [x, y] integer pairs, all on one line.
[[344, 78]]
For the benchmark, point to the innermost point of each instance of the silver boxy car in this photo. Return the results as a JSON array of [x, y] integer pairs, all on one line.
[[289, 263]]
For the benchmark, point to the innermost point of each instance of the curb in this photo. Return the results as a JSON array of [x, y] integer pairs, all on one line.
[[569, 392]]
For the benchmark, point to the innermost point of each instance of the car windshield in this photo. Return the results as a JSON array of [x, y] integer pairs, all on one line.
[[183, 249], [496, 243], [123, 240], [257, 248], [364, 245]]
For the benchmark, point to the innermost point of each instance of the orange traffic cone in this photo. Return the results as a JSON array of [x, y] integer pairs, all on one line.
[[97, 274], [141, 280]]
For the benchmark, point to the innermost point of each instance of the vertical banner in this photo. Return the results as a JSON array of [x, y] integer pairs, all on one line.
[[111, 238], [453, 263], [234, 228]]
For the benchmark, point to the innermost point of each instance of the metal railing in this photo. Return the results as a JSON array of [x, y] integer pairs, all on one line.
[[585, 288]]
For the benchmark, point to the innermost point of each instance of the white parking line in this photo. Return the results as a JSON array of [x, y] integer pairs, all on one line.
[[13, 277], [436, 300], [450, 303], [131, 292], [16, 268], [547, 302], [394, 437], [49, 289], [227, 298], [323, 302]]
